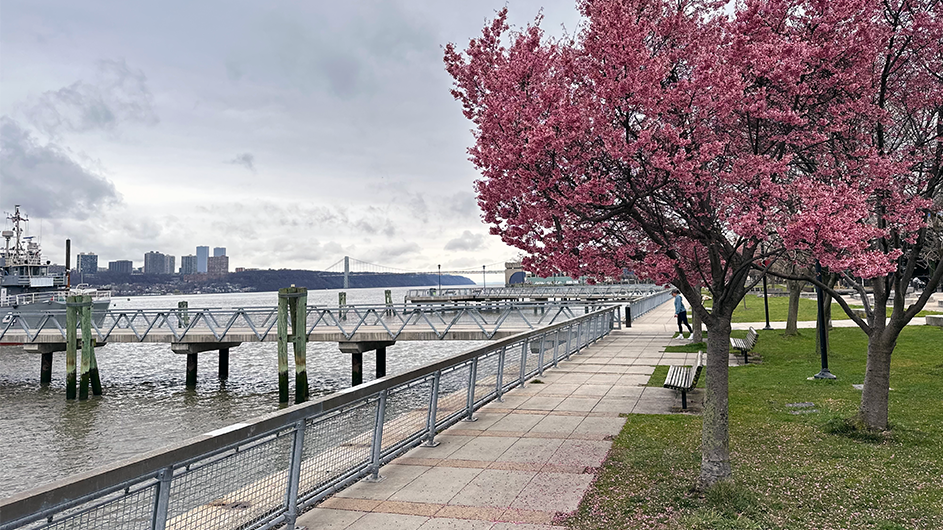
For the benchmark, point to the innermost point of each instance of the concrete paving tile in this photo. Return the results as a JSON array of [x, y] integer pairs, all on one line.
[[493, 488], [591, 390], [561, 425], [508, 401], [484, 448], [455, 524], [541, 403], [389, 521], [394, 478], [359, 505], [633, 380], [448, 444], [535, 450], [560, 492], [328, 519], [602, 379], [574, 378], [589, 453], [641, 369], [485, 419], [517, 422], [621, 391], [577, 404], [436, 485], [604, 426], [622, 405]]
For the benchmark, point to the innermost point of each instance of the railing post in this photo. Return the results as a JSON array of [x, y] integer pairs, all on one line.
[[579, 336], [377, 451], [294, 475], [569, 340], [540, 355], [162, 501], [470, 401], [628, 316], [556, 346], [433, 405], [524, 360], [500, 386]]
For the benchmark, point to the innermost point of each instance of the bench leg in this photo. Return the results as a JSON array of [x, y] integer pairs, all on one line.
[[684, 400], [745, 359]]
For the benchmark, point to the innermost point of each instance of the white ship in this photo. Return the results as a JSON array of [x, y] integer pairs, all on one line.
[[27, 288]]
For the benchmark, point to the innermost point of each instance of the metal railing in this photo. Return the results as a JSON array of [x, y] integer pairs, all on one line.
[[261, 474], [642, 305], [55, 296], [581, 291], [259, 324]]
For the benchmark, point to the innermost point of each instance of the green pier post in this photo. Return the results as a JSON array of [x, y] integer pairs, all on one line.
[[342, 302], [86, 320], [183, 315], [282, 325], [71, 319], [93, 376], [388, 297], [299, 343]]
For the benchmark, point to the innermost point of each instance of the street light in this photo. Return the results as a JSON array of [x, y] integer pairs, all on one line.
[[823, 340], [440, 278], [766, 302], [484, 280]]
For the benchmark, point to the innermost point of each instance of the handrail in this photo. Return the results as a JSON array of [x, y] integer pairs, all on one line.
[[291, 459], [532, 292]]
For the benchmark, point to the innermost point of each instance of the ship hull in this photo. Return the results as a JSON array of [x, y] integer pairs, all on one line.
[[32, 314]]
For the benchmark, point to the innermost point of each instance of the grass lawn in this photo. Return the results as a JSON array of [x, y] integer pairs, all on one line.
[[791, 471], [779, 307]]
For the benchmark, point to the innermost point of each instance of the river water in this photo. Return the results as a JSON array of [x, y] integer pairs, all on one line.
[[146, 404]]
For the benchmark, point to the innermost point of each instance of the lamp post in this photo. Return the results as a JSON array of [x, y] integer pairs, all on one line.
[[823, 340], [766, 302], [440, 278], [484, 280]]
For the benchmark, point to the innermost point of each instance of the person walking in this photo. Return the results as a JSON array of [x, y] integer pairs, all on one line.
[[681, 313]]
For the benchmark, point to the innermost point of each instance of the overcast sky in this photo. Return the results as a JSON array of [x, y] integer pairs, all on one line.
[[291, 133]]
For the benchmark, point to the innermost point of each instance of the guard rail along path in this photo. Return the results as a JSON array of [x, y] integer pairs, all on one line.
[[260, 474], [558, 292]]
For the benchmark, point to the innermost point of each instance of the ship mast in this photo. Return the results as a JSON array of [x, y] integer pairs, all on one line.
[[18, 252]]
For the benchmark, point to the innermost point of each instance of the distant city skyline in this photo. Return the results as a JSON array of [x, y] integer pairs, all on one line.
[[296, 133]]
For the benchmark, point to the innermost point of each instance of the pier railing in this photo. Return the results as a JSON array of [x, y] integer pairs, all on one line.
[[261, 474], [644, 304], [548, 292], [259, 324]]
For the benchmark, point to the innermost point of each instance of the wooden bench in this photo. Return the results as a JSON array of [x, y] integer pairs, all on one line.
[[745, 345], [684, 378]]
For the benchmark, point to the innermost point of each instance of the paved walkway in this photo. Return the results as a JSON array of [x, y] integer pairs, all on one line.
[[528, 460]]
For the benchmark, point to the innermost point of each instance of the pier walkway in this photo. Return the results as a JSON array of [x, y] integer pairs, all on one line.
[[528, 459]]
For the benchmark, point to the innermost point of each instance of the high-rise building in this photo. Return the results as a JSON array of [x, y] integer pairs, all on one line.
[[202, 255], [87, 262], [188, 265], [170, 264], [218, 265], [121, 266], [219, 251], [155, 263]]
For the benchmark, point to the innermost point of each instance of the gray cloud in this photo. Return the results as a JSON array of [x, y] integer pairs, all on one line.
[[45, 180], [118, 94], [467, 241], [464, 205], [246, 160]]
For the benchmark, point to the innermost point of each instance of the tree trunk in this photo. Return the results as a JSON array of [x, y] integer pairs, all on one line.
[[795, 292], [715, 434], [698, 334], [877, 380]]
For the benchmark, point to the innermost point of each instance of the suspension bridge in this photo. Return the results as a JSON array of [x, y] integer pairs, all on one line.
[[348, 266]]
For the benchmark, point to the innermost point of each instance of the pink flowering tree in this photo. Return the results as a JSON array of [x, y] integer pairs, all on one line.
[[883, 164], [687, 145]]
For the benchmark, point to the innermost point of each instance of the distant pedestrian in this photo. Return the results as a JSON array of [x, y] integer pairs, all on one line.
[[681, 313]]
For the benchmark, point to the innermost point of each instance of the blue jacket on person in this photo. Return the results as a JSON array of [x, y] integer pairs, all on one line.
[[679, 305]]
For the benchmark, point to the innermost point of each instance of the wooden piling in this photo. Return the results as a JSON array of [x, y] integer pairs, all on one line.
[[45, 369], [342, 302], [71, 321], [88, 347], [192, 362], [183, 314], [224, 363], [299, 343], [388, 297], [356, 369], [381, 362], [282, 325]]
